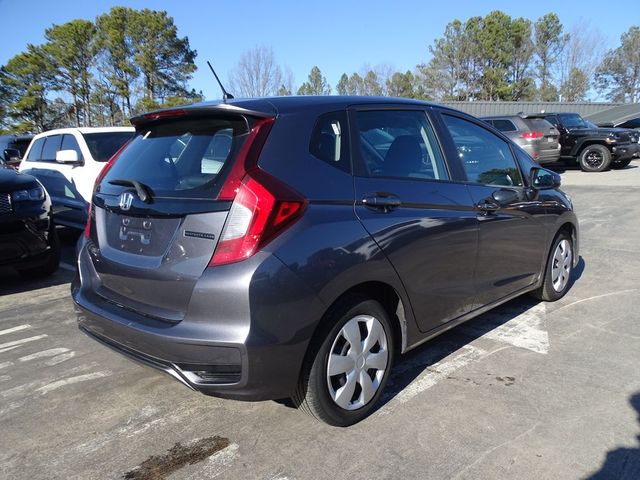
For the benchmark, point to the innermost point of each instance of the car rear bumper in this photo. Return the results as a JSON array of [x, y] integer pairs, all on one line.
[[241, 340]]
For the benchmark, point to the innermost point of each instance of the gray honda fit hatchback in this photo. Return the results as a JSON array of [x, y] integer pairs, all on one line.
[[293, 247]]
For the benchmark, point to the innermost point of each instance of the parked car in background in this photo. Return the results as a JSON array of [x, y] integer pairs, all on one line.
[[28, 239], [67, 162], [535, 135], [13, 148], [293, 246], [594, 149]]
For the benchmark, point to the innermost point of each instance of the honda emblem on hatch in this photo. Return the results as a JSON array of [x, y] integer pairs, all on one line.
[[125, 201]]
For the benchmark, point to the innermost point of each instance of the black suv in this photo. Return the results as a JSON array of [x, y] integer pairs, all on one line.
[[12, 148], [28, 238], [595, 149], [292, 247]]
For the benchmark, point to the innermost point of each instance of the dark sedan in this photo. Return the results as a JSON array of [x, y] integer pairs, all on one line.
[[28, 239]]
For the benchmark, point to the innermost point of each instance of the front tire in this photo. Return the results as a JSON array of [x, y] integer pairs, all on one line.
[[595, 158], [348, 364], [558, 270]]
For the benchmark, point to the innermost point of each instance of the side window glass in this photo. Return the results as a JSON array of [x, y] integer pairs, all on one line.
[[330, 140], [69, 142], [486, 158], [35, 154], [51, 146], [400, 144]]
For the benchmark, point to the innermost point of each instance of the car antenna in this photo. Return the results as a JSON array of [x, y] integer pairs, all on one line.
[[225, 95]]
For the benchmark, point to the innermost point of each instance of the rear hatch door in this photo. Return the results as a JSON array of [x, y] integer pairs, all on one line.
[[148, 255], [551, 136]]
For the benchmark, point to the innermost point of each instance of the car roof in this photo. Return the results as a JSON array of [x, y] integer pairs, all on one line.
[[275, 105]]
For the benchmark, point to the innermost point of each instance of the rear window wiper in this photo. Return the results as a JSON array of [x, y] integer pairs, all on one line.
[[144, 192]]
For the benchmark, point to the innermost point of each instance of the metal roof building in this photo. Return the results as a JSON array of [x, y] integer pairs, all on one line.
[[616, 115], [486, 109]]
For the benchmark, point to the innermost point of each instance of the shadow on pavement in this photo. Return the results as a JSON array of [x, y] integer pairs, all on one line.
[[622, 463]]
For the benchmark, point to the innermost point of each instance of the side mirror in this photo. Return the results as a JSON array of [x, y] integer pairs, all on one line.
[[11, 155], [543, 179], [67, 156]]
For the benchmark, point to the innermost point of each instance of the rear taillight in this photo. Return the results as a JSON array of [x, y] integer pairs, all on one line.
[[262, 205], [99, 178], [532, 135], [262, 209]]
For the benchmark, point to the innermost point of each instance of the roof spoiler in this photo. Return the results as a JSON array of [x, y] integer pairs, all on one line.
[[199, 110]]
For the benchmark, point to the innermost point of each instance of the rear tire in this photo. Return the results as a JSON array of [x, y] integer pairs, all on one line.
[[594, 158], [620, 165], [558, 270], [52, 258], [348, 363]]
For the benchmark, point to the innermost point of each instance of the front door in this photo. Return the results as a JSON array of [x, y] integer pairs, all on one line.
[[511, 233], [424, 223]]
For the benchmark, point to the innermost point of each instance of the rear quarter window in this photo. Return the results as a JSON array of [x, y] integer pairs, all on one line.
[[330, 140]]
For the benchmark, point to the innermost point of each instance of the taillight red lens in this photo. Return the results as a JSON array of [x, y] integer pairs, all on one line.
[[247, 158], [258, 214], [532, 135]]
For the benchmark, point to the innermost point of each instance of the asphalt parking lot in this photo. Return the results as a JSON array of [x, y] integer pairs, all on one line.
[[529, 390]]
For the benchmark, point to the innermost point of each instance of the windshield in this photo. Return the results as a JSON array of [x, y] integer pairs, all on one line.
[[572, 120], [103, 145], [180, 158]]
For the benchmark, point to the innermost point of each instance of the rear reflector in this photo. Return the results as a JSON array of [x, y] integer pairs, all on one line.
[[532, 135]]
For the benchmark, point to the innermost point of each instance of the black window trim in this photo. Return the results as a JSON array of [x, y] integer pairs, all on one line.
[[480, 123], [358, 167]]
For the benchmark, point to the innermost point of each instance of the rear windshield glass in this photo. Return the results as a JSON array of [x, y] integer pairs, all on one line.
[[179, 159], [504, 125], [103, 145], [540, 125]]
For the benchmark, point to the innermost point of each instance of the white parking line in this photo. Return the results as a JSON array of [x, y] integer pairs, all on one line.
[[52, 352], [5, 365], [14, 329], [60, 358], [16, 343], [217, 464], [71, 380], [525, 330], [434, 374]]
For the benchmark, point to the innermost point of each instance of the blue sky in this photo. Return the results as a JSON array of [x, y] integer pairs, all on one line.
[[338, 36]]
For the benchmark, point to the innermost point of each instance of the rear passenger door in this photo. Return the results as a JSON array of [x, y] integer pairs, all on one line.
[[424, 222], [512, 234]]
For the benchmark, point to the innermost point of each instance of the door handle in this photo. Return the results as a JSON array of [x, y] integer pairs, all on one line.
[[381, 201]]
